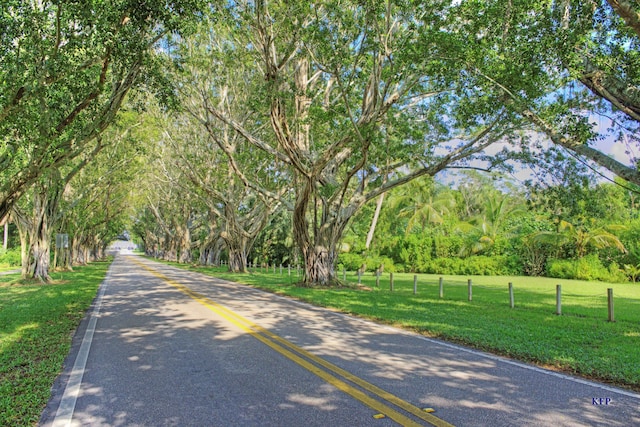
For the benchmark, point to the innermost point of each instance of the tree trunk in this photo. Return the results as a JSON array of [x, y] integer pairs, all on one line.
[[374, 221], [320, 266], [75, 250], [170, 253], [318, 249], [237, 260], [214, 255], [40, 251], [210, 252], [24, 249], [39, 234], [238, 252], [184, 245], [85, 253]]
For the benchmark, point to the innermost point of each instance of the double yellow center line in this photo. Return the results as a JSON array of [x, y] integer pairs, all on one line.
[[314, 364]]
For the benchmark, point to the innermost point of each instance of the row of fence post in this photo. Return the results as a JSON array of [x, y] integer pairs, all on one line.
[[610, 307]]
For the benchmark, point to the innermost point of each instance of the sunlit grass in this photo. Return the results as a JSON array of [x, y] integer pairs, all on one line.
[[36, 326], [581, 341]]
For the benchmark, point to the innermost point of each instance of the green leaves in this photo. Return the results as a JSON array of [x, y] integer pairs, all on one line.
[[66, 69]]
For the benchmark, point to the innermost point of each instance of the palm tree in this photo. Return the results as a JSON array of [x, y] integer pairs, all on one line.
[[487, 227], [423, 203], [578, 237]]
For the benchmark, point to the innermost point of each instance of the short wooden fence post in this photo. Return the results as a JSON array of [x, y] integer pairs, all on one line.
[[511, 300], [610, 304], [469, 289], [415, 284], [559, 300], [441, 288], [391, 282]]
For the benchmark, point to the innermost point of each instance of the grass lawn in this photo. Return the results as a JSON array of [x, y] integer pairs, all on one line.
[[581, 341], [36, 326]]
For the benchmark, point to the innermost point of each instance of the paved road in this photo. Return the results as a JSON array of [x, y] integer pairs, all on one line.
[[165, 347]]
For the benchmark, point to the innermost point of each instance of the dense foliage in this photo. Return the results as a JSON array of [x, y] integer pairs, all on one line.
[[309, 132], [482, 226]]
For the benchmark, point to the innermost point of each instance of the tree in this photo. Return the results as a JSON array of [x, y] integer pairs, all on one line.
[[66, 70], [423, 203], [579, 238], [490, 226], [97, 204], [563, 66], [359, 100], [201, 167], [44, 201]]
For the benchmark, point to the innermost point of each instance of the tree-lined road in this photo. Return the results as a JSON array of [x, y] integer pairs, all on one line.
[[171, 347]]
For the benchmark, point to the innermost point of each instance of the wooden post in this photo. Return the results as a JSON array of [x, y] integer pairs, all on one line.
[[558, 300], [391, 282], [344, 274], [359, 277], [281, 269], [441, 288], [415, 284], [274, 269], [511, 301], [377, 279], [470, 292], [289, 268], [610, 304]]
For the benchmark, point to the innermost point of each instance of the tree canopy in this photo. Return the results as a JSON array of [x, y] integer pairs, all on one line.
[[66, 68], [321, 109]]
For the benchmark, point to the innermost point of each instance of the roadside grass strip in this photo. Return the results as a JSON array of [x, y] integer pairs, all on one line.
[[579, 342], [36, 327], [329, 372]]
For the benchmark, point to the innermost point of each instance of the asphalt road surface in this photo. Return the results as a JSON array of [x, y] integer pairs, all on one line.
[[165, 347]]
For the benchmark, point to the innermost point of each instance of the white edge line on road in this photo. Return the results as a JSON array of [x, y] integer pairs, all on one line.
[[441, 343], [67, 405], [499, 358]]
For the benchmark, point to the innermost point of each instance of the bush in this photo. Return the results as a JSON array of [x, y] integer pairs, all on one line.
[[561, 268], [10, 257], [476, 265], [352, 262], [586, 268], [448, 246]]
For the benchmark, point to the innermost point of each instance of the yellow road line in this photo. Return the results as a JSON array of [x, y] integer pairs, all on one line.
[[259, 333]]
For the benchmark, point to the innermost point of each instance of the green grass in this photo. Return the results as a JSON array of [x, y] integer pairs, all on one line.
[[36, 326], [581, 341]]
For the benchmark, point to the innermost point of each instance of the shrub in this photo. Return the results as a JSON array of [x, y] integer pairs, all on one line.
[[476, 265], [586, 268], [10, 257], [448, 246], [350, 261], [562, 268]]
